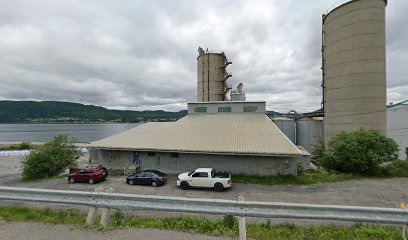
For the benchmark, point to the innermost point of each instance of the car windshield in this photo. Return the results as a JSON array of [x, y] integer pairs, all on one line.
[[189, 174]]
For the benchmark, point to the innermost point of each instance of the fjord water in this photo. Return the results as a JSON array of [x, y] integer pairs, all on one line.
[[46, 132]]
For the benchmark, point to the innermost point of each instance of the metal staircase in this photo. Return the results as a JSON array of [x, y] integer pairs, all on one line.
[[130, 169]]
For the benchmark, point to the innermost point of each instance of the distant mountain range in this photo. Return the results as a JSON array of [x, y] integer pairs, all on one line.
[[66, 112]]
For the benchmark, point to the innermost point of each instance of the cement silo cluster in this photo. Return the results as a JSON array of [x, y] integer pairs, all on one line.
[[354, 67], [212, 76]]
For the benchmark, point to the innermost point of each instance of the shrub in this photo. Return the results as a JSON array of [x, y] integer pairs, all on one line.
[[20, 146], [24, 146], [397, 168], [359, 152], [406, 153], [50, 159], [319, 150]]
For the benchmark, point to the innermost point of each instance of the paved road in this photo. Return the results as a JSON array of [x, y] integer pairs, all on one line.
[[36, 231]]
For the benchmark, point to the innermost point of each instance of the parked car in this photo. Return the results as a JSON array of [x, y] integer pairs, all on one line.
[[91, 174], [147, 177], [204, 178], [98, 165]]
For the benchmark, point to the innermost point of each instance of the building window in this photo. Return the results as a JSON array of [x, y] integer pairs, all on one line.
[[174, 155], [151, 154], [224, 109], [200, 109], [250, 108]]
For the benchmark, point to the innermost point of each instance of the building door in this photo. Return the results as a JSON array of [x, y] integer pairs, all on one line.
[[136, 158]]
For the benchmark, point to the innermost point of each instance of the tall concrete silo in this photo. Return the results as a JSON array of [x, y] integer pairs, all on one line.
[[212, 76], [353, 64]]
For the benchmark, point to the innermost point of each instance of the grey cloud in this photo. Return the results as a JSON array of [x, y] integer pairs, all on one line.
[[142, 54]]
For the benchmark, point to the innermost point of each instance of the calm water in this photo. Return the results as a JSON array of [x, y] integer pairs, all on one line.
[[46, 132]]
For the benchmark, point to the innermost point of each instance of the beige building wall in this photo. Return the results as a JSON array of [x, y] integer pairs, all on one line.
[[211, 77], [354, 67], [116, 161]]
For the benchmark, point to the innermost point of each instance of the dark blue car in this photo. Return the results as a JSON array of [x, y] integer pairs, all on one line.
[[148, 177]]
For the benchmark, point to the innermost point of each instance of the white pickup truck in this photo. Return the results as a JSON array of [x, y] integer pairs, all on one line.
[[204, 178]]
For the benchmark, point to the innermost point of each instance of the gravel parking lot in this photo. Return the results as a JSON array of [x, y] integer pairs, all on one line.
[[366, 192]]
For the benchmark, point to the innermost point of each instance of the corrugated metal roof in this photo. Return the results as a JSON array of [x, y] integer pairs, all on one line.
[[249, 134]]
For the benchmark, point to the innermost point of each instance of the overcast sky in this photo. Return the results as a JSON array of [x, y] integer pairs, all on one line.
[[142, 54]]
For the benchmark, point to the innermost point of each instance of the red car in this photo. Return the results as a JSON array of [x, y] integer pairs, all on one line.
[[90, 174]]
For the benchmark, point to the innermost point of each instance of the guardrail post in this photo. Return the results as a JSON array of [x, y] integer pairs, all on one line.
[[241, 222], [404, 227], [90, 220], [106, 212]]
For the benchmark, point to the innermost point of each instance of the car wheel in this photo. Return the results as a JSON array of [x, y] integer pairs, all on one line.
[[218, 187], [184, 185], [154, 184], [91, 181], [71, 180], [131, 182]]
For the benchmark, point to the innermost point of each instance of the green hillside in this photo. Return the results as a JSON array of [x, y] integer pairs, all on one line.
[[52, 111]]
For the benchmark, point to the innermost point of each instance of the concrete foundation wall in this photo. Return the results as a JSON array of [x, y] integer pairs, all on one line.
[[112, 160], [250, 165]]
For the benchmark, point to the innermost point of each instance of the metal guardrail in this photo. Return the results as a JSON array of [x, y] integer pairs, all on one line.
[[209, 206]]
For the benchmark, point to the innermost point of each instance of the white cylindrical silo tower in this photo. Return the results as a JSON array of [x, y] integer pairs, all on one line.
[[212, 76], [354, 67]]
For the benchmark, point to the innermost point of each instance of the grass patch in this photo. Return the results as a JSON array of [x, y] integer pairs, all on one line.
[[293, 232], [24, 214], [20, 146], [308, 177], [228, 226]]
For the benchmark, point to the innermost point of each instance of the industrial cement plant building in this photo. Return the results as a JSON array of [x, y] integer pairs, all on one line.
[[353, 75], [229, 136], [237, 136], [233, 136], [353, 64]]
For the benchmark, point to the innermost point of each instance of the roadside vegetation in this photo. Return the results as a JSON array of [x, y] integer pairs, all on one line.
[[228, 226], [363, 152], [306, 177], [50, 159], [20, 146], [348, 156]]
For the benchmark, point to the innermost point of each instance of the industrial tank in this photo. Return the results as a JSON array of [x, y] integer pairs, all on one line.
[[212, 76], [354, 72], [287, 126], [309, 131]]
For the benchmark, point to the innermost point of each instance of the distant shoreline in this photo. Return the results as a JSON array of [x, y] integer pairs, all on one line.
[[71, 122]]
